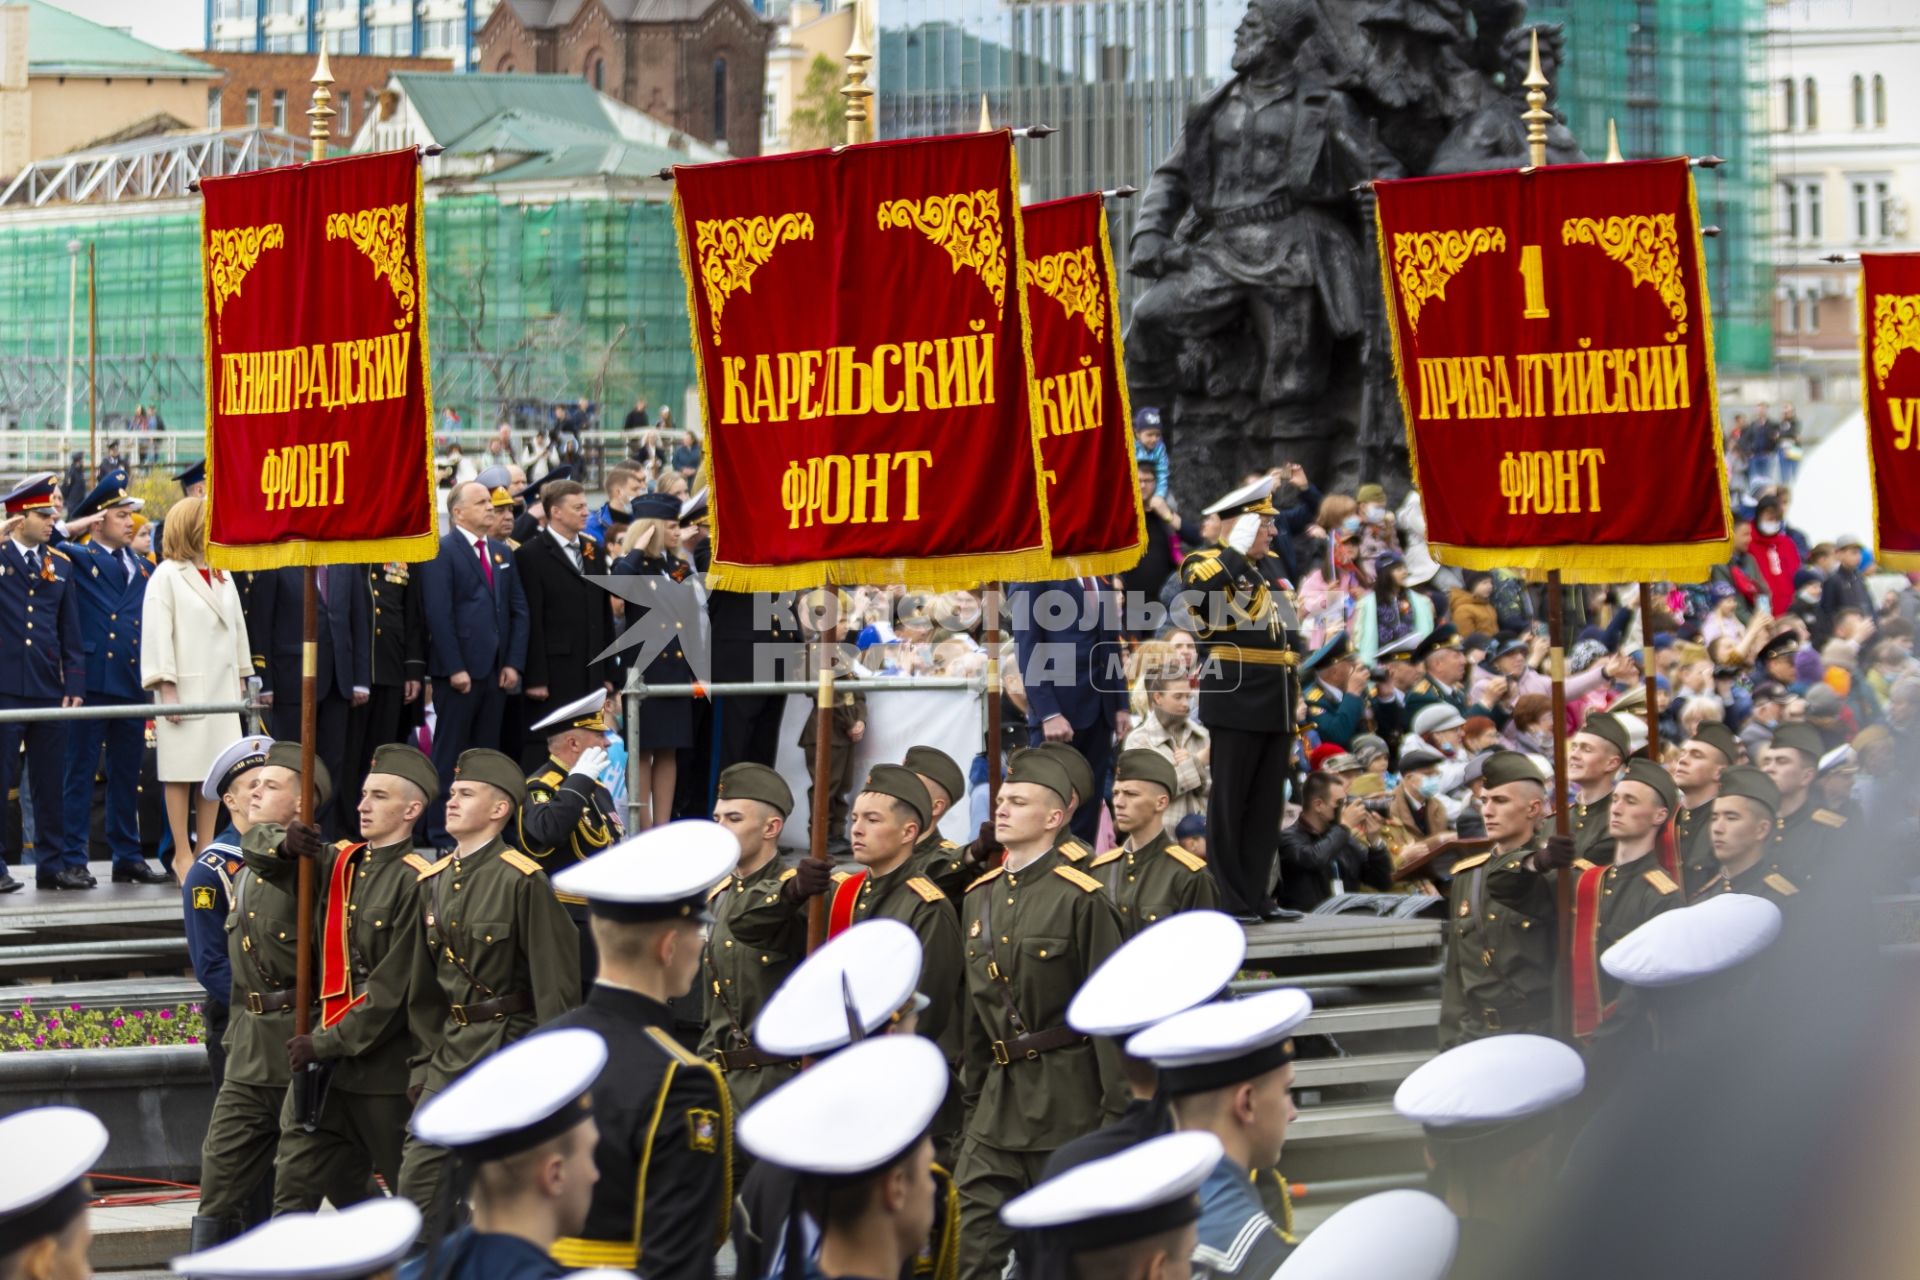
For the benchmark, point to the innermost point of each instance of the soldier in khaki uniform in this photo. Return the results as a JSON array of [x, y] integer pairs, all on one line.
[[1034, 928], [1744, 817], [1595, 756], [1149, 877], [935, 857], [569, 814], [888, 815], [366, 917], [759, 929], [262, 946], [1500, 960], [1080, 778], [1711, 750], [1805, 834], [497, 955]]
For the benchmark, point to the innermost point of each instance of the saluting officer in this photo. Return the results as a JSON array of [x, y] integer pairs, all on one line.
[[111, 582], [42, 666], [1149, 877], [262, 948], [496, 955], [1034, 928], [759, 930], [366, 916], [665, 1153], [569, 815], [936, 857], [1246, 699]]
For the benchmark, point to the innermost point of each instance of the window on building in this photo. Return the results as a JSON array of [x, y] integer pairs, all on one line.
[[1859, 102], [1815, 214], [1860, 211], [1810, 95], [1882, 210], [719, 99], [343, 123], [1790, 209], [1811, 317], [600, 73], [1879, 102], [253, 108], [280, 109], [769, 121], [1789, 117], [213, 108]]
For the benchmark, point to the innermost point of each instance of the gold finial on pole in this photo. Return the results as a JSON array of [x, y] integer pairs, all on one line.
[[1536, 115], [321, 112], [857, 92], [986, 117], [1613, 143]]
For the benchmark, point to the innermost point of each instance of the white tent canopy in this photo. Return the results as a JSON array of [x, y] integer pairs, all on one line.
[[1832, 495]]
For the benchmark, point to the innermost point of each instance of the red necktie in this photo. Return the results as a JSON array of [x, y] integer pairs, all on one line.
[[486, 562]]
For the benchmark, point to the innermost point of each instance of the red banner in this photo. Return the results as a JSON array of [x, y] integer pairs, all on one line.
[[1555, 360], [1079, 393], [857, 326], [319, 408], [1890, 392]]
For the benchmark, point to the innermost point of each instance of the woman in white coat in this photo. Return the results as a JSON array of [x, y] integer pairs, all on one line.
[[193, 650]]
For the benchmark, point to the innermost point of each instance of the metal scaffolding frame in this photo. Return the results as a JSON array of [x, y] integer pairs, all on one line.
[[149, 168]]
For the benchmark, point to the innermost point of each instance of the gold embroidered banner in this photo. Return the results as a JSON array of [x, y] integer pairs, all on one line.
[[1890, 395]]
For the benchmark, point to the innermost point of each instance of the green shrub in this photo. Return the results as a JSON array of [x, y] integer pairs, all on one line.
[[25, 1027]]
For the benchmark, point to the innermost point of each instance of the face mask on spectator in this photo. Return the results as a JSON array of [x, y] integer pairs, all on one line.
[[1430, 785], [1350, 525], [1769, 527], [1373, 513]]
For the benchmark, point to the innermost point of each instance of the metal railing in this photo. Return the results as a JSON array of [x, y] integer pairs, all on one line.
[[129, 711]]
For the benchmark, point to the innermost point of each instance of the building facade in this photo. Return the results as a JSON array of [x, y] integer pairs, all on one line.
[[805, 38], [273, 90], [389, 28]]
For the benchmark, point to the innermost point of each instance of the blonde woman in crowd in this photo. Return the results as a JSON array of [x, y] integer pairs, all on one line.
[[651, 546], [193, 650]]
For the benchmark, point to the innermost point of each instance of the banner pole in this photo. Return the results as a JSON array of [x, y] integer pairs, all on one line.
[[822, 788], [857, 92], [990, 632]]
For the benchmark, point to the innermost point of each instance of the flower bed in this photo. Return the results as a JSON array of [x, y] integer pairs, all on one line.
[[27, 1027]]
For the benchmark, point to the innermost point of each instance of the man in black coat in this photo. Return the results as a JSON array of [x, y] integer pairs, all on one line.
[[570, 619], [344, 666], [399, 667], [1320, 850]]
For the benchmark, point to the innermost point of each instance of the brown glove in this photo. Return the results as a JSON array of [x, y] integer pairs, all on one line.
[[300, 1052], [303, 840], [983, 851], [1557, 855], [810, 879]]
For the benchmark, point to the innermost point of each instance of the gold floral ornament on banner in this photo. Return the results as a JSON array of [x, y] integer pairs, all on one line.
[[732, 249], [1072, 280], [966, 224], [1649, 246], [231, 253], [381, 234], [1423, 262], [1896, 328]]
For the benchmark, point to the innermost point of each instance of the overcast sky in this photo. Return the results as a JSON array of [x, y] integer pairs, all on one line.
[[171, 24]]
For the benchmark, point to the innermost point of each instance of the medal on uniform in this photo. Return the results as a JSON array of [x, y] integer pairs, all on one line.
[[975, 931]]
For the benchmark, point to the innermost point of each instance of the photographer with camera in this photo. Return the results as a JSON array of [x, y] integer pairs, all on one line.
[[1335, 847]]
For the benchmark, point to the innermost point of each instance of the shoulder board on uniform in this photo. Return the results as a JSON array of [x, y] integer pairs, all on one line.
[[674, 1049], [927, 889], [720, 888], [436, 868], [418, 863], [519, 861], [1200, 566], [1315, 694], [948, 844], [1073, 851], [1581, 864], [548, 777], [1075, 876], [1186, 858], [1425, 686], [837, 876], [983, 879], [1108, 856], [1468, 864], [58, 552], [1661, 881], [1828, 818], [1780, 884], [212, 859], [789, 874]]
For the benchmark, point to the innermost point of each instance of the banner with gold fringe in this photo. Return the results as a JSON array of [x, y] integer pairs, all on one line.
[[319, 403], [858, 327], [1554, 355], [1890, 396], [1081, 415]]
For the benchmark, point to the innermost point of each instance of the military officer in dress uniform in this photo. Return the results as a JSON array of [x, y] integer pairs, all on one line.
[[1034, 928], [366, 918], [207, 892], [1500, 961], [1443, 658], [1711, 750], [569, 815], [1228, 1069], [1246, 700], [1149, 877], [364, 1242], [936, 857], [759, 928], [1132, 1213], [193, 484], [1744, 844], [666, 1122], [1806, 833], [888, 815], [1387, 705], [1336, 702], [42, 665], [1595, 756], [44, 1234], [399, 665], [523, 1127], [496, 954], [111, 582], [262, 949]]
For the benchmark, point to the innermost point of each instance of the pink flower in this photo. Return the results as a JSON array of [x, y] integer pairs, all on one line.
[[166, 1015], [53, 1024], [118, 1023], [74, 1008], [193, 1039], [139, 1013], [39, 1039]]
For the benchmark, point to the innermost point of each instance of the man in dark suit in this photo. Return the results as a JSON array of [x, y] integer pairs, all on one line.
[[399, 666], [754, 636], [476, 633], [343, 670], [1072, 663], [570, 617], [111, 582]]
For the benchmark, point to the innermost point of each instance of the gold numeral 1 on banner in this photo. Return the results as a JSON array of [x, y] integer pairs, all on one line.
[[1536, 287]]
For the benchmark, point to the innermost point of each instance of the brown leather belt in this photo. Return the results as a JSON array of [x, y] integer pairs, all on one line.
[[499, 1009], [749, 1060], [1028, 1047], [271, 1002]]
